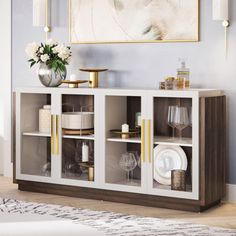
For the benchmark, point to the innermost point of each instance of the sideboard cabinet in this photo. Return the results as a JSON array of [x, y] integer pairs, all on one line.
[[43, 161]]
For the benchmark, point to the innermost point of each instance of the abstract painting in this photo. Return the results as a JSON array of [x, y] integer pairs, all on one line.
[[107, 21]]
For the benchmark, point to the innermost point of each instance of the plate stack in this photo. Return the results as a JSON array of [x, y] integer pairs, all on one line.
[[166, 160]]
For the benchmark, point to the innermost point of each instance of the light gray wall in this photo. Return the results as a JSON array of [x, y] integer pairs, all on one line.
[[5, 89], [141, 65]]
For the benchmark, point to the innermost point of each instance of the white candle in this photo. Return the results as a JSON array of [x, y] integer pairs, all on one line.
[[85, 153], [139, 120], [125, 128], [73, 77]]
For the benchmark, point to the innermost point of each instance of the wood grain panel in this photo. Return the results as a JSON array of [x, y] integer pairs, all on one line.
[[212, 148], [115, 196]]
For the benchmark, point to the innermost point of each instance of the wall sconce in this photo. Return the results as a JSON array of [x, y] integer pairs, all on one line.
[[220, 10], [41, 17]]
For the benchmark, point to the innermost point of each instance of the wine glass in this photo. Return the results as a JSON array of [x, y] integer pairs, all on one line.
[[181, 119], [138, 159], [128, 163], [171, 118], [46, 169]]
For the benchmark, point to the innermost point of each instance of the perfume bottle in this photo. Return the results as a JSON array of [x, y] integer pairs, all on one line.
[[183, 75]]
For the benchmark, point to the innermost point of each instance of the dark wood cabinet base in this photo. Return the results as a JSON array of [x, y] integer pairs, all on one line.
[[115, 196]]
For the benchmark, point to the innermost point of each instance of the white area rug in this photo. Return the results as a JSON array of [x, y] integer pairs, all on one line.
[[33, 219]]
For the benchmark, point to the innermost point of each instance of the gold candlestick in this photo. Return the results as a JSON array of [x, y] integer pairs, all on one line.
[[93, 76]]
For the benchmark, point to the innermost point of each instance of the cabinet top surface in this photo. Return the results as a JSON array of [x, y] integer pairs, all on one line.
[[203, 92]]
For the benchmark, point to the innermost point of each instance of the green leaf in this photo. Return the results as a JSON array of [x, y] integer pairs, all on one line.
[[32, 63]]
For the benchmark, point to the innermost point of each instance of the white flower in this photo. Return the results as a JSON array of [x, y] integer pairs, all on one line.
[[63, 56], [68, 60], [58, 48], [62, 51], [41, 49], [51, 42], [35, 58], [44, 57], [32, 49]]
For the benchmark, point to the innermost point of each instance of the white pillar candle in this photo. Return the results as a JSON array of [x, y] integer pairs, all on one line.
[[73, 77], [85, 153], [125, 128], [139, 121]]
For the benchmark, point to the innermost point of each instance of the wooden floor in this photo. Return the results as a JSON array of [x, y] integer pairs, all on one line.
[[222, 216]]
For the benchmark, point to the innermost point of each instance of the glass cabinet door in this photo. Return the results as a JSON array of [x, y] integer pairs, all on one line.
[[78, 143], [123, 120], [35, 134], [171, 167]]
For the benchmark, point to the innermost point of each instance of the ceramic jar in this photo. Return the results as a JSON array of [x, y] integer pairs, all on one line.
[[45, 119]]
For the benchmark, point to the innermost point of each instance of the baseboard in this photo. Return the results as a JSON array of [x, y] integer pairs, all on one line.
[[230, 193]]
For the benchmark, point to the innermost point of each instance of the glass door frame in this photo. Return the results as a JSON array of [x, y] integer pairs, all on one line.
[[119, 187], [58, 159], [194, 194], [19, 137]]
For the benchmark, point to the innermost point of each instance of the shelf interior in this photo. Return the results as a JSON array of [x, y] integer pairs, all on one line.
[[36, 156], [161, 127], [121, 110], [188, 175], [30, 106], [72, 158]]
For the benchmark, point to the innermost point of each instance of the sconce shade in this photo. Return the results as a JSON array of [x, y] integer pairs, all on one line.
[[39, 13], [220, 9]]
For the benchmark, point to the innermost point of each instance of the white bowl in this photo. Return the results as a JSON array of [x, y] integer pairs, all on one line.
[[78, 120]]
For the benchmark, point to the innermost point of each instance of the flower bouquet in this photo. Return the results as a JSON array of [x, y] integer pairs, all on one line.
[[53, 58]]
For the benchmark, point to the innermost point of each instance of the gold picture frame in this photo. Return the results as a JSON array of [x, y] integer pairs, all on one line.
[[196, 39]]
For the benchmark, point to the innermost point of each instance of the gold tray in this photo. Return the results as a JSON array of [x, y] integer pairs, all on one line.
[[131, 133], [78, 132], [74, 84]]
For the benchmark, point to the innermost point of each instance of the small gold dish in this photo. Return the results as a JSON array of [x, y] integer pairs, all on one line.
[[126, 135], [74, 84]]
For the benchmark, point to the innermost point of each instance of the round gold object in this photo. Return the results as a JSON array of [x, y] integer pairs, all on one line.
[[93, 76], [74, 84], [125, 135]]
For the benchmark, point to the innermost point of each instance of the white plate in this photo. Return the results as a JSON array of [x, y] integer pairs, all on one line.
[[77, 120], [167, 158]]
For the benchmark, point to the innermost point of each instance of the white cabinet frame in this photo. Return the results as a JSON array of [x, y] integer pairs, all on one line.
[[147, 99]]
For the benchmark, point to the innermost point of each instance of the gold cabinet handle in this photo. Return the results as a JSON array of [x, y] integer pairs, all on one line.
[[57, 134], [52, 134], [149, 140], [143, 140]]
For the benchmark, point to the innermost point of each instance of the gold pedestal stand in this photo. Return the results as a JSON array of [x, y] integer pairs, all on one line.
[[93, 76], [74, 84]]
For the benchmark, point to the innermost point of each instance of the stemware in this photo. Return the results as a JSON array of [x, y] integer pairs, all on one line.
[[128, 163], [171, 118], [181, 119], [46, 169]]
